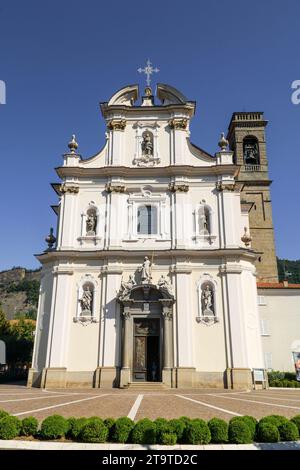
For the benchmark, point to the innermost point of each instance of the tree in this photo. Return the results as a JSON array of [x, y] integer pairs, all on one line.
[[4, 323]]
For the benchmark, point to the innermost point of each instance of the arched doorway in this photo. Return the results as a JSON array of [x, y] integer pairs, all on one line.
[[147, 346]]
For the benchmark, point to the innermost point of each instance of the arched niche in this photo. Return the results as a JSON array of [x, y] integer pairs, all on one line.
[[86, 300]]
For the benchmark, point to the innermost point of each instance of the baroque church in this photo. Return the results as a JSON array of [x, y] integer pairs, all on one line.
[[152, 273]]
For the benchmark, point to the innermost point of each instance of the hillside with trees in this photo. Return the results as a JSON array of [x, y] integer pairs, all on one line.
[[289, 269]]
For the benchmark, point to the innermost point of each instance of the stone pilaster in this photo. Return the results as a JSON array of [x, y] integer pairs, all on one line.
[[125, 371], [168, 345]]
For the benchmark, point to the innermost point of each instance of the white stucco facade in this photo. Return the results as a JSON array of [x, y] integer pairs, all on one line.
[[279, 311], [194, 241]]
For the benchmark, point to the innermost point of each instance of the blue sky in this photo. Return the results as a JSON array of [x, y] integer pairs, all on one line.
[[60, 59]]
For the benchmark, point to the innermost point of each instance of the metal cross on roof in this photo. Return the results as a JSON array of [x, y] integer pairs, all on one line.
[[148, 71]]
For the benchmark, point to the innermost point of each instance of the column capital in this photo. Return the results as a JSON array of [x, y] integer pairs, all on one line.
[[167, 313], [126, 313]]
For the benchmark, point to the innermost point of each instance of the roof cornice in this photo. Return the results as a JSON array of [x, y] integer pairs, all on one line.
[[53, 255], [172, 170]]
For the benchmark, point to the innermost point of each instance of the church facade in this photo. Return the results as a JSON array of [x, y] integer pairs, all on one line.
[[151, 276]]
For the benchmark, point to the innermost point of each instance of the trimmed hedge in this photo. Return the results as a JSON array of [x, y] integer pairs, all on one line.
[[249, 421], [94, 431], [276, 420], [177, 427], [239, 432], [296, 420], [283, 379], [197, 432], [267, 432], [54, 427], [144, 432], [218, 430], [75, 426], [240, 429], [288, 431], [121, 429], [29, 426], [3, 413], [168, 438], [10, 427]]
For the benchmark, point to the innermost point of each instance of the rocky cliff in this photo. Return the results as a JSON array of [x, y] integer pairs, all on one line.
[[19, 291]]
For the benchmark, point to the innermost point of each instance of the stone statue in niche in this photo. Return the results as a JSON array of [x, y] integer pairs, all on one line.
[[147, 145], [207, 300], [251, 152], [146, 271], [86, 301], [126, 287], [164, 286], [91, 223], [204, 221]]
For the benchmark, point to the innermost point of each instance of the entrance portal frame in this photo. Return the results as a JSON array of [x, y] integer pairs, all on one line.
[[147, 301]]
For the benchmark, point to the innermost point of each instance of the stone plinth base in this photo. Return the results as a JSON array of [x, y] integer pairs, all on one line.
[[185, 377], [239, 378], [34, 378], [167, 377], [54, 377], [107, 377], [124, 377]]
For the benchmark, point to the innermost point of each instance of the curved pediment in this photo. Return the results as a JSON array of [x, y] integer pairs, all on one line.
[[127, 96], [170, 95]]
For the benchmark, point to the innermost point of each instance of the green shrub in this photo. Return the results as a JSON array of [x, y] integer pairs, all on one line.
[[178, 427], [296, 420], [282, 379], [218, 430], [267, 432], [197, 432], [121, 429], [71, 421], [276, 420], [144, 432], [162, 426], [185, 419], [3, 413], [109, 423], [168, 438], [288, 431], [94, 430], [249, 421], [9, 427], [75, 426], [29, 426], [54, 427], [239, 432]]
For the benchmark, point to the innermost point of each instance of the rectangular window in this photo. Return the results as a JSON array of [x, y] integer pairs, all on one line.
[[261, 300], [268, 360], [147, 220], [264, 327]]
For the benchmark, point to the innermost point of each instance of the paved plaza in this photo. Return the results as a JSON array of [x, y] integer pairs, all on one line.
[[22, 401]]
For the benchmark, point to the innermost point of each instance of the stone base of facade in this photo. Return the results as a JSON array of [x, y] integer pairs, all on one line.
[[210, 380], [54, 377], [34, 378], [107, 377], [81, 379], [239, 378], [184, 377], [168, 377], [111, 377], [124, 377]]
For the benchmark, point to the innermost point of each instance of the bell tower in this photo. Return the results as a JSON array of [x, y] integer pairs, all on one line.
[[246, 136]]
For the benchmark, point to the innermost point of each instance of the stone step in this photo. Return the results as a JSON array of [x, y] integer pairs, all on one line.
[[145, 385]]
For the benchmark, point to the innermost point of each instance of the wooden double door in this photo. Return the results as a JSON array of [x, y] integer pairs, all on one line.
[[146, 350]]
